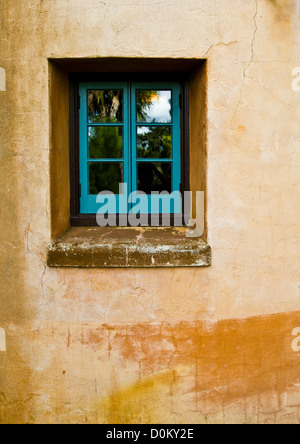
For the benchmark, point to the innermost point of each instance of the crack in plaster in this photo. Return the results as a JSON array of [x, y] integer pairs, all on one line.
[[251, 59], [253, 39], [215, 45]]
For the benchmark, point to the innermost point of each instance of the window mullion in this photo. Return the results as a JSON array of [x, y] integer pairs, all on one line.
[[133, 177], [130, 131]]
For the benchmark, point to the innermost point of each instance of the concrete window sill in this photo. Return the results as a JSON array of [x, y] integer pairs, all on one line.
[[128, 248]]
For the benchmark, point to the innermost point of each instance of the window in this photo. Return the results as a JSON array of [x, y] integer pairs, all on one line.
[[129, 143], [72, 244]]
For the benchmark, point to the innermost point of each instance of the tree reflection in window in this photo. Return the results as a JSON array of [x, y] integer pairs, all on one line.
[[154, 177], [106, 142], [154, 142], [154, 106], [105, 177], [105, 106]]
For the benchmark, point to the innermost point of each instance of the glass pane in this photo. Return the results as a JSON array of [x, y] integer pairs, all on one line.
[[154, 142], [105, 106], [154, 106], [105, 177], [154, 176], [105, 142]]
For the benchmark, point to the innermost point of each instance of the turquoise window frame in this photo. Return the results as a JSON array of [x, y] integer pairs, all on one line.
[[88, 202], [175, 160]]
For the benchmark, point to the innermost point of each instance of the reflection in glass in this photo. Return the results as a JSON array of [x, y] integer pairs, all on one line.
[[154, 106], [154, 176], [154, 142], [105, 142], [105, 176], [105, 106]]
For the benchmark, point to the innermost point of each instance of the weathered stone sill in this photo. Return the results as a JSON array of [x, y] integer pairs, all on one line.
[[128, 248]]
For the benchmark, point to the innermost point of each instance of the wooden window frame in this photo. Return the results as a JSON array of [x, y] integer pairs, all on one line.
[[85, 220]]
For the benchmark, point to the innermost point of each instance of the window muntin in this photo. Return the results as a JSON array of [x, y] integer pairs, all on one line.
[[128, 132]]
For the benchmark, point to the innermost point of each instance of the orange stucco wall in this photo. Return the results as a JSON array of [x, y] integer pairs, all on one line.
[[201, 345]]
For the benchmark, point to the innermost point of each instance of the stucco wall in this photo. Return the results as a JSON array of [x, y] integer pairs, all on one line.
[[78, 342]]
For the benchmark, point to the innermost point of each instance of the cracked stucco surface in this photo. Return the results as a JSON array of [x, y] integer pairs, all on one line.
[[253, 183]]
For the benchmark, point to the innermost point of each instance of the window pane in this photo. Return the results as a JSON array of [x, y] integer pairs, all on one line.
[[105, 177], [154, 176], [105, 142], [105, 106], [154, 142], [154, 106]]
